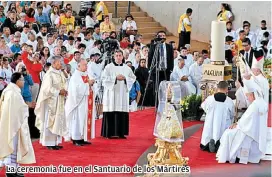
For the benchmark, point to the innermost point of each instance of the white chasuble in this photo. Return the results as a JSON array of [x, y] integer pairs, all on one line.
[[116, 93], [14, 130], [49, 110], [248, 140]]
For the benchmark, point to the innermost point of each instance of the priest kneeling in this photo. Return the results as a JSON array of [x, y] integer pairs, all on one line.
[[16, 145], [219, 109], [76, 107], [245, 141], [117, 79]]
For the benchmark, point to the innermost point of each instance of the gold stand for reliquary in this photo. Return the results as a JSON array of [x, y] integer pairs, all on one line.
[[167, 154]]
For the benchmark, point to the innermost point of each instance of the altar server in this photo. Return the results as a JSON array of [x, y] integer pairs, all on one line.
[[245, 141], [50, 116], [16, 146], [181, 73], [117, 79], [219, 109]]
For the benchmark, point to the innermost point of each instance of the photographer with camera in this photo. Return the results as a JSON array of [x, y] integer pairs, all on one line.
[[165, 56], [109, 45]]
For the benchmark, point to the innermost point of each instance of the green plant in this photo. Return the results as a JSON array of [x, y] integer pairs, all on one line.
[[190, 105]]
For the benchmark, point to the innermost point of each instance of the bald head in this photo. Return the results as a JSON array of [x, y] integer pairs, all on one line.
[[82, 65]]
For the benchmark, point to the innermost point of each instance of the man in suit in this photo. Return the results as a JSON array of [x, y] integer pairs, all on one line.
[[165, 58], [249, 54]]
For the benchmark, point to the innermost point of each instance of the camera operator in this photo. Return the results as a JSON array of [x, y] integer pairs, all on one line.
[[109, 45], [165, 57]]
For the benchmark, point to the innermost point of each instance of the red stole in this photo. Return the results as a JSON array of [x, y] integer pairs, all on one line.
[[90, 107]]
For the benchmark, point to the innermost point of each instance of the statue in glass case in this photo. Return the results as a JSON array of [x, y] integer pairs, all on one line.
[[168, 127]]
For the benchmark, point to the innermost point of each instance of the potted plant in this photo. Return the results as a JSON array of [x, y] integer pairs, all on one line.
[[190, 107]]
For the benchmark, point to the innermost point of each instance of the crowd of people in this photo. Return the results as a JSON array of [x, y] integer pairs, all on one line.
[[60, 67]]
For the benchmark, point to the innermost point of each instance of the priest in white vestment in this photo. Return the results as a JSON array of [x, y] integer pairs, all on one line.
[[16, 146], [49, 110], [245, 141], [219, 109], [181, 73], [195, 72], [117, 79], [76, 106]]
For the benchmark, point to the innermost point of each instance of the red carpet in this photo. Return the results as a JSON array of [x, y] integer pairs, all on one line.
[[113, 152], [120, 152]]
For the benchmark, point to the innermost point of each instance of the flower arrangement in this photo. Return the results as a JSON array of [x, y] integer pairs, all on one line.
[[190, 107], [268, 70]]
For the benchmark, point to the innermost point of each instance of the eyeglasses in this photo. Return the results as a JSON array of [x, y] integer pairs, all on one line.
[[16, 41], [245, 45]]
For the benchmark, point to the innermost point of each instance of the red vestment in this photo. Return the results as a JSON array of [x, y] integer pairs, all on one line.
[[90, 107]]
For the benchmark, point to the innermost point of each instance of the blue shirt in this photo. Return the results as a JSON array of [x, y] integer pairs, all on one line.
[[97, 37], [42, 18], [2, 19], [15, 49], [26, 89], [134, 90]]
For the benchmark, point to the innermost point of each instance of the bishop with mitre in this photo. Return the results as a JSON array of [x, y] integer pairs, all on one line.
[[77, 105], [245, 141], [117, 79]]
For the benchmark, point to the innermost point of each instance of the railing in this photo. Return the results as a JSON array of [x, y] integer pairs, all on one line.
[[116, 8]]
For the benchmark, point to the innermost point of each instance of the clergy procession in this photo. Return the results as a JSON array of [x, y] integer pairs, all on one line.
[[67, 74]]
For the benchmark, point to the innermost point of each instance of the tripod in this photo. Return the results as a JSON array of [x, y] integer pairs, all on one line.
[[154, 66]]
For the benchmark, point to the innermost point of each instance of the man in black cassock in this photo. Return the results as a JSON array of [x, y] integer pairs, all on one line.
[[117, 79]]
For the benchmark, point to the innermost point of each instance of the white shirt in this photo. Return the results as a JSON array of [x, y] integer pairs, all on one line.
[[19, 23], [46, 9], [95, 70], [69, 48], [207, 61], [94, 50], [127, 24], [252, 38], [51, 47], [73, 64], [81, 36], [232, 33], [44, 38], [33, 43], [53, 18], [24, 38], [7, 73], [90, 22]]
